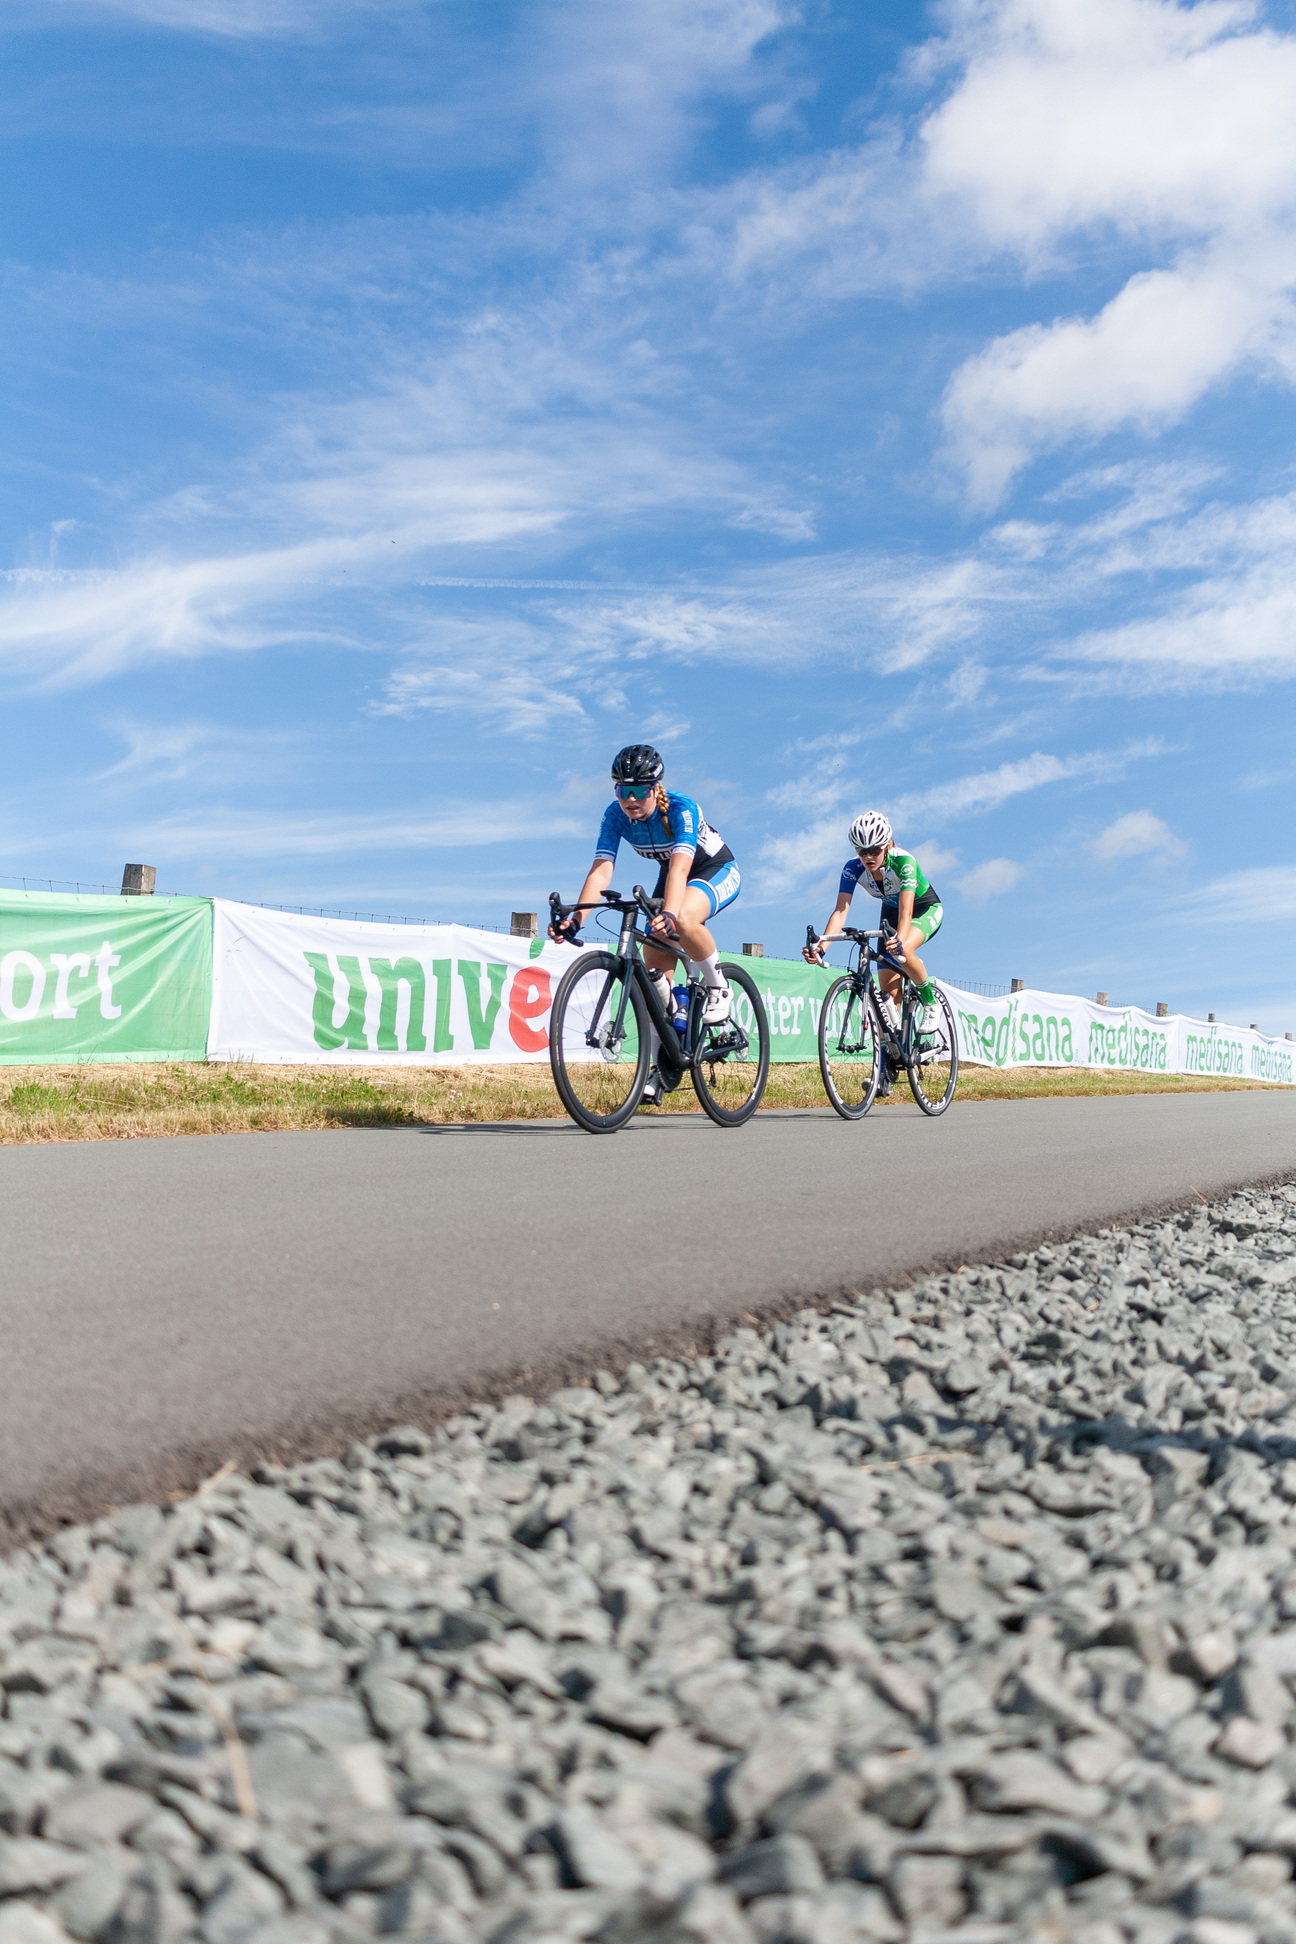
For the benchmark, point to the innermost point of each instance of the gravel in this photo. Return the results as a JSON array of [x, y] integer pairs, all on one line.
[[964, 1611]]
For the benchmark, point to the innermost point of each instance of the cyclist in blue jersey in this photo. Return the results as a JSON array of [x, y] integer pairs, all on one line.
[[697, 877], [910, 906]]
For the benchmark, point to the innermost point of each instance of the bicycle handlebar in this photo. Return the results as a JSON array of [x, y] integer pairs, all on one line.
[[607, 901], [847, 931]]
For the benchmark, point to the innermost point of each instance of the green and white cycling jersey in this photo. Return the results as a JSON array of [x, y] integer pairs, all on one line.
[[903, 872]]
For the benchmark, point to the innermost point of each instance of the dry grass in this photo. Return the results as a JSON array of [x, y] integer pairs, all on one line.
[[95, 1103]]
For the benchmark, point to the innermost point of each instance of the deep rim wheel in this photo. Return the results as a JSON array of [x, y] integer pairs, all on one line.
[[728, 1079]]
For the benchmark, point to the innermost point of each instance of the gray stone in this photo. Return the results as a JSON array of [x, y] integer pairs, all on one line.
[[25, 1923], [97, 1812], [779, 1866], [29, 1864], [595, 1855], [86, 1905]]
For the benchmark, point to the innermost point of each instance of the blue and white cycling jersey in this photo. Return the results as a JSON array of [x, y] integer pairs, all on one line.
[[683, 828]]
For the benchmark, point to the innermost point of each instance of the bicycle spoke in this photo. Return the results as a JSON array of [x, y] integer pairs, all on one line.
[[732, 1062], [597, 1059], [848, 1049], [933, 1061]]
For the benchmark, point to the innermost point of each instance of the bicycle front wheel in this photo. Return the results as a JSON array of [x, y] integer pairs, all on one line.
[[850, 1048], [731, 1064], [932, 1060], [598, 1042]]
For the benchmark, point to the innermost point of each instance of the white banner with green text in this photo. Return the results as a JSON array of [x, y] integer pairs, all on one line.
[[1055, 1030], [308, 990], [333, 990]]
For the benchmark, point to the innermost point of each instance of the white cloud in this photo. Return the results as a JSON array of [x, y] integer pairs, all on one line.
[[1135, 834], [168, 752], [1144, 360], [991, 879], [1262, 895], [514, 701], [792, 860], [971, 795], [1166, 125], [227, 834], [935, 861], [231, 19]]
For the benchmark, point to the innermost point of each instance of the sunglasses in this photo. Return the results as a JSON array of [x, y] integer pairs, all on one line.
[[635, 792], [870, 850]]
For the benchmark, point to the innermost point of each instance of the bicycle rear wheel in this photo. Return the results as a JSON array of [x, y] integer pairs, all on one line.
[[932, 1060], [850, 1048], [599, 1071], [731, 1064]]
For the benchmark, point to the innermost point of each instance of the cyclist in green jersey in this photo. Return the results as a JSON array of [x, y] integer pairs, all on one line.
[[910, 905]]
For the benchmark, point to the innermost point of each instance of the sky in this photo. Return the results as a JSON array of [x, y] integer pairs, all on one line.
[[409, 402]]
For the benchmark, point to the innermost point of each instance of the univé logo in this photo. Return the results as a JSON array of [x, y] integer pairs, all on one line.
[[414, 1005]]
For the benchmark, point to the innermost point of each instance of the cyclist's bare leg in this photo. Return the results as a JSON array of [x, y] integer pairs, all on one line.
[[695, 939], [903, 946]]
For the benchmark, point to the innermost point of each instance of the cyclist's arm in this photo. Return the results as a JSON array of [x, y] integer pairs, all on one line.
[[836, 919], [600, 876], [677, 877], [905, 905]]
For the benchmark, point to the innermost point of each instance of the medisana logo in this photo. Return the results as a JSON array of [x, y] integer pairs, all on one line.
[[1018, 1038], [1271, 1063], [1210, 1052], [1126, 1045]]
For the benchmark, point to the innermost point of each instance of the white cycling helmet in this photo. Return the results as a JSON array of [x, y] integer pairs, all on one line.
[[869, 829]]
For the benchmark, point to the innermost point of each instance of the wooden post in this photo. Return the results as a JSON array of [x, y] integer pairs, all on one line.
[[1018, 985], [525, 924], [138, 881], [1163, 1011], [753, 951], [1210, 1019], [1102, 998]]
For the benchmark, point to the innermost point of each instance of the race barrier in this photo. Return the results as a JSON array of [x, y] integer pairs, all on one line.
[[95, 978], [104, 978]]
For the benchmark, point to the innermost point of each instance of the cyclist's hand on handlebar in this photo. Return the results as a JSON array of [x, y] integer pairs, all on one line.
[[566, 931], [813, 952], [666, 926]]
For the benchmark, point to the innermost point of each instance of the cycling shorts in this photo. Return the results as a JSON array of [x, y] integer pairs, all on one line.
[[721, 889], [928, 922]]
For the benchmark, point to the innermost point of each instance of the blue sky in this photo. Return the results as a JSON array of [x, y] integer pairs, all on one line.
[[408, 402]]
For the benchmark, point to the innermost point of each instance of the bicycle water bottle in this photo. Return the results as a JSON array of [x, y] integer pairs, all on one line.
[[679, 1018], [891, 1017]]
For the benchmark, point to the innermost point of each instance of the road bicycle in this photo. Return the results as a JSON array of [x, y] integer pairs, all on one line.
[[860, 1053], [600, 1046]]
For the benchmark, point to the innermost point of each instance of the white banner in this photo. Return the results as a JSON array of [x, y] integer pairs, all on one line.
[[335, 991], [1055, 1030], [313, 991]]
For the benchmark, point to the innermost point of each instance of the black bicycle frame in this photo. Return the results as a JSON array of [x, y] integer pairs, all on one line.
[[676, 1059]]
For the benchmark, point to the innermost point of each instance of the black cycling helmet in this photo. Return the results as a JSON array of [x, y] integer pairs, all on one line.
[[637, 763]]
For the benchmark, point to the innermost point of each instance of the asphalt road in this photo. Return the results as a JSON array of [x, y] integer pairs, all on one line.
[[167, 1304]]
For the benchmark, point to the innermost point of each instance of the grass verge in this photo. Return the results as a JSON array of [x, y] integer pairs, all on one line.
[[96, 1103]]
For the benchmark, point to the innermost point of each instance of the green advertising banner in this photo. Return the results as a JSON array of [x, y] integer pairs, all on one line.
[[794, 994], [102, 978]]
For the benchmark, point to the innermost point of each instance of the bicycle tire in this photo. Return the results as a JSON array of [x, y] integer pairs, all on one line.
[[942, 1070], [600, 1094], [730, 1089], [836, 1028]]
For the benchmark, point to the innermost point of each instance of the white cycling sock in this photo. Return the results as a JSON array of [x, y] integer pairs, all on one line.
[[711, 973]]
